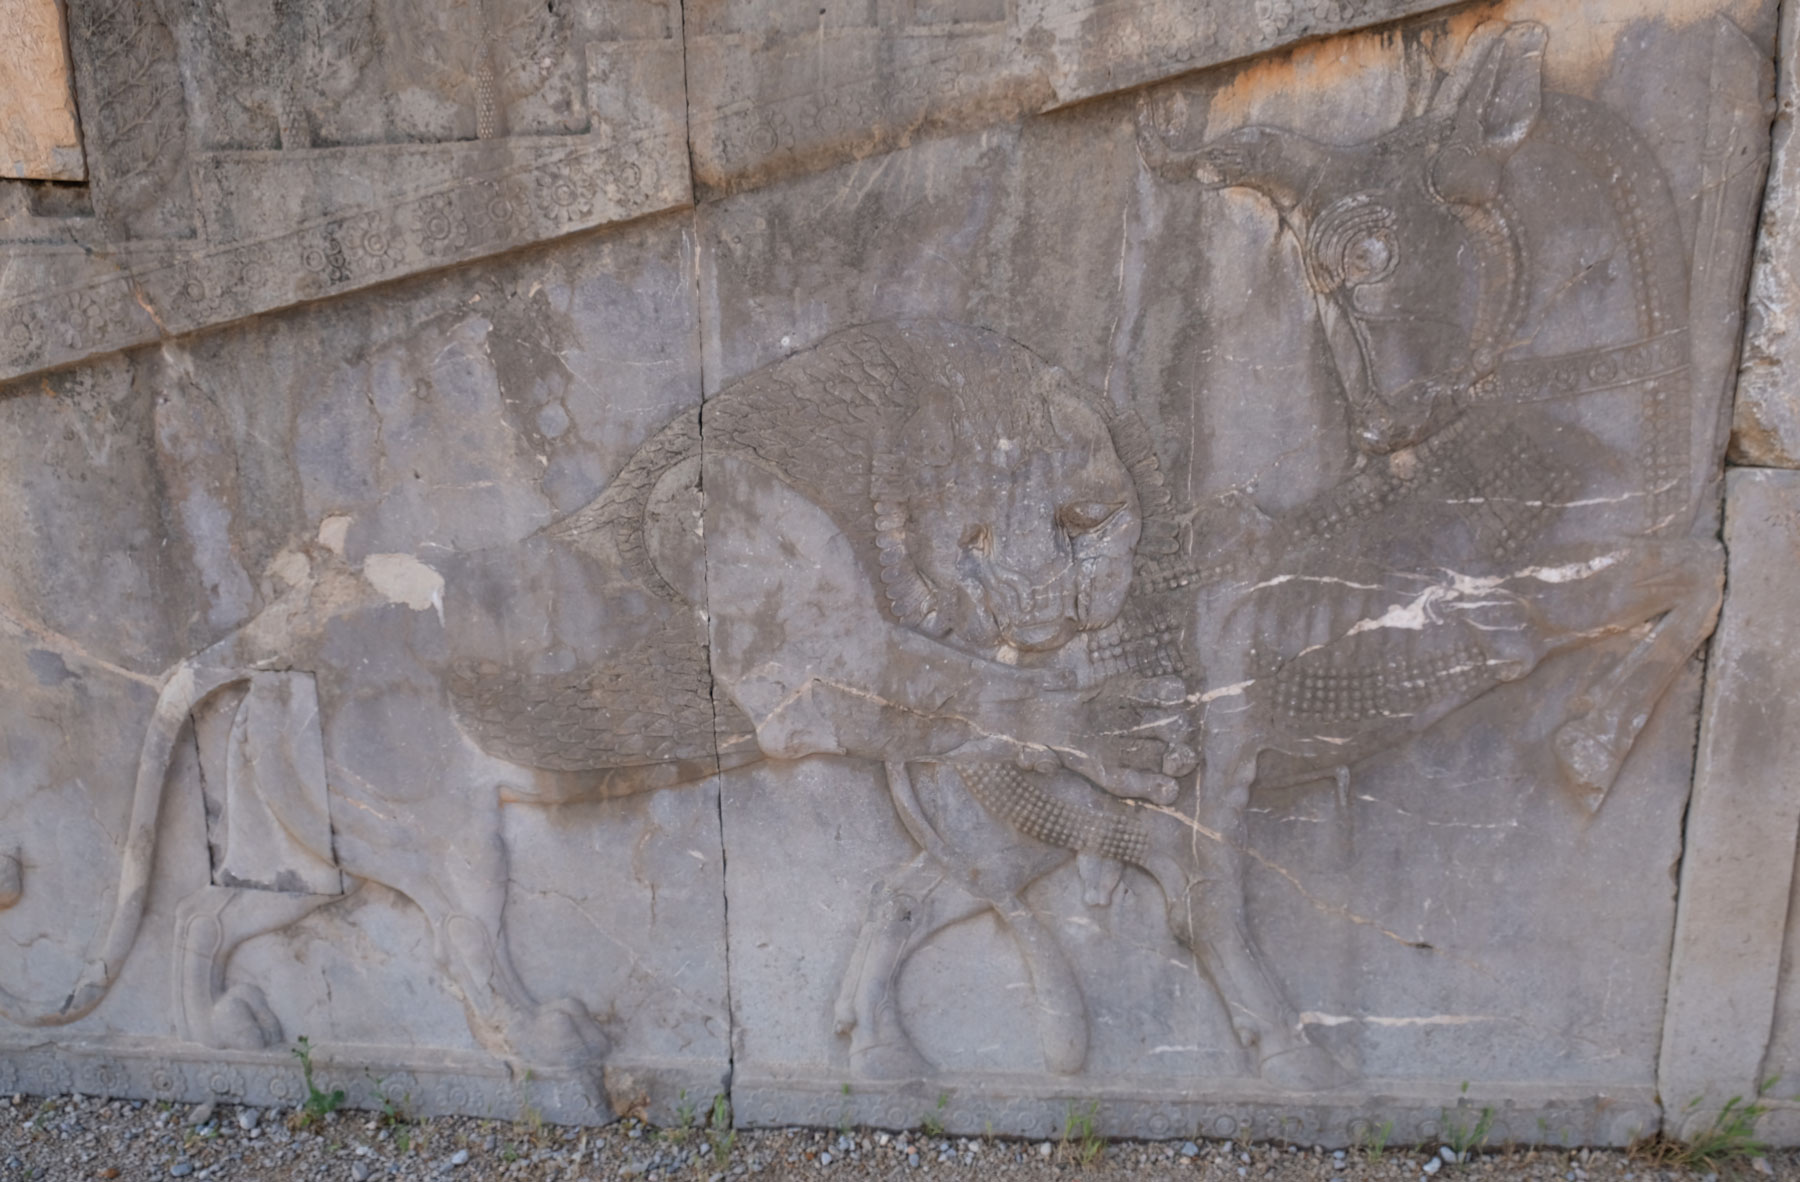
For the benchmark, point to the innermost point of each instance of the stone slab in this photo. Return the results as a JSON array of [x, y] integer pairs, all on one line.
[[778, 87], [1412, 909], [381, 462], [1730, 1024], [1765, 428], [40, 138], [215, 198], [1028, 1107]]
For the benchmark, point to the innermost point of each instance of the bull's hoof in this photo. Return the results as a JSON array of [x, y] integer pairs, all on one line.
[[1306, 1068], [1588, 760], [243, 1021]]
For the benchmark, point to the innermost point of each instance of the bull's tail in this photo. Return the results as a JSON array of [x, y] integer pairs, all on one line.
[[186, 686]]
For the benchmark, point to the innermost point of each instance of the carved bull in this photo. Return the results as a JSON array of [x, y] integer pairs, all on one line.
[[1501, 284]]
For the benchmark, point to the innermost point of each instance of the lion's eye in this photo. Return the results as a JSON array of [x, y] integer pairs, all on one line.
[[1079, 517]]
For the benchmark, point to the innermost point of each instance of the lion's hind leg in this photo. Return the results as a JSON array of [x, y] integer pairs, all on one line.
[[461, 888]]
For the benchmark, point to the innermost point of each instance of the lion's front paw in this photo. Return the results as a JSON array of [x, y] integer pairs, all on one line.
[[1141, 735], [560, 1034], [243, 1021]]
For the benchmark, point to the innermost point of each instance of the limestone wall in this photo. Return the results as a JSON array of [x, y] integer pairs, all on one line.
[[906, 559]]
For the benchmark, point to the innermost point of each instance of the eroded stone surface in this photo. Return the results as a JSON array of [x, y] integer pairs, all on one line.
[[778, 86], [39, 137], [1765, 427], [366, 508]]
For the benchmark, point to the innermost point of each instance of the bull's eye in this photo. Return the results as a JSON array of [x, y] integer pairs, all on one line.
[[978, 537], [1080, 517], [1369, 258]]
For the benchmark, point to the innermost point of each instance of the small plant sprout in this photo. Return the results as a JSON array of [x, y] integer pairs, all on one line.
[[933, 1122], [1722, 1146], [1373, 1141], [390, 1110], [317, 1105], [1462, 1138], [1080, 1135], [720, 1132]]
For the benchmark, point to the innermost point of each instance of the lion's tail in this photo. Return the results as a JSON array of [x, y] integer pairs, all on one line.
[[186, 686]]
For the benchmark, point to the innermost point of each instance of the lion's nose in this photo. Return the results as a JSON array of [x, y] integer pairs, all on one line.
[[1033, 594]]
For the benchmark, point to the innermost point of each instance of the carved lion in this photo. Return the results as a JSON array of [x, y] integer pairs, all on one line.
[[903, 532]]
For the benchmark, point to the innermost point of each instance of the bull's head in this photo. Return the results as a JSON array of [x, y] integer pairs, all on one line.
[[1409, 243]]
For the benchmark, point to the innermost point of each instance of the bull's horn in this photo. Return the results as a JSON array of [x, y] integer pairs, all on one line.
[[1273, 161]]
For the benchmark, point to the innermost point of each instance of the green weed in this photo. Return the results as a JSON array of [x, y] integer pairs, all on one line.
[[1374, 1142], [1079, 1136], [1465, 1139], [933, 1122], [1722, 1147], [389, 1111], [720, 1131], [318, 1105]]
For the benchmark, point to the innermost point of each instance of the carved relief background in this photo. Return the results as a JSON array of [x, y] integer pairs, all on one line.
[[1221, 638]]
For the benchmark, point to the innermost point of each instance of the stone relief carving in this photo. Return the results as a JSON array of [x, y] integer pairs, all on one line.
[[919, 544], [135, 117], [371, 71], [248, 155], [233, 139]]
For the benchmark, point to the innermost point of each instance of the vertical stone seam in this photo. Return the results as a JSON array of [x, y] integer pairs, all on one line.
[[712, 685], [1781, 135], [1664, 1104], [1728, 417]]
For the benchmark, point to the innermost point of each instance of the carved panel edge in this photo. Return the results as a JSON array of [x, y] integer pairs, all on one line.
[[147, 292], [1420, 1110]]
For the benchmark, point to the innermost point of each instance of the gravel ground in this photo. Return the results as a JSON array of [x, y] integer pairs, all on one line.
[[66, 1138]]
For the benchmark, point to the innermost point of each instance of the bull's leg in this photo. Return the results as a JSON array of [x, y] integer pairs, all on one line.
[[905, 911], [209, 926], [1683, 582], [946, 884], [1202, 879], [462, 891]]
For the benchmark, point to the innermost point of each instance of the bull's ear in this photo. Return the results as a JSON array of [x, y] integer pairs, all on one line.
[[1505, 92]]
